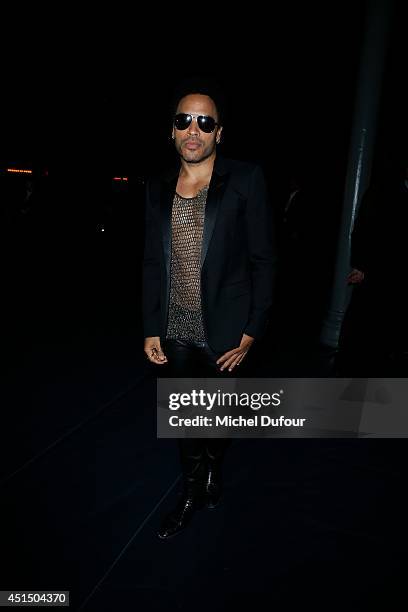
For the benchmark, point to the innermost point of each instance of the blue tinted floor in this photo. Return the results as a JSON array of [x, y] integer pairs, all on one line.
[[85, 482]]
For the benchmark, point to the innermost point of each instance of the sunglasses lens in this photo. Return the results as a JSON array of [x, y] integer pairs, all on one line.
[[206, 124], [182, 121]]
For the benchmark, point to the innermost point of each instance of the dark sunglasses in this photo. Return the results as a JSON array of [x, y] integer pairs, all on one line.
[[205, 123]]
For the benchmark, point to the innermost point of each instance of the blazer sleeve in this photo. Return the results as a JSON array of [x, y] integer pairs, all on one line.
[[151, 268], [262, 249]]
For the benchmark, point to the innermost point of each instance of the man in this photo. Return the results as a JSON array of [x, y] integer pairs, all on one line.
[[374, 334], [208, 275]]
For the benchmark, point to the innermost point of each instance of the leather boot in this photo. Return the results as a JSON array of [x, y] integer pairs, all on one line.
[[213, 480], [192, 497], [213, 486]]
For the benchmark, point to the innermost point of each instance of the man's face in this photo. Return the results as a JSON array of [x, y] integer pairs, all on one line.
[[192, 144]]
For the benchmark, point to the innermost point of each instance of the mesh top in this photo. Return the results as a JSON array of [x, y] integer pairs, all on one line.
[[185, 317]]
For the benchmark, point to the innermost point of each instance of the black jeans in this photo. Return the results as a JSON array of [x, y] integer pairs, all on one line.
[[187, 359]]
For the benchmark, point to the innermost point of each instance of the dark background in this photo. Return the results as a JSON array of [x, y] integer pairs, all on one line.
[[85, 97], [93, 89]]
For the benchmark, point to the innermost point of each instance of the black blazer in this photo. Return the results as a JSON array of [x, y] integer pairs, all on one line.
[[238, 257]]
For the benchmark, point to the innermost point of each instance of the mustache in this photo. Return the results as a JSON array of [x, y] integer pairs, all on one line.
[[192, 140]]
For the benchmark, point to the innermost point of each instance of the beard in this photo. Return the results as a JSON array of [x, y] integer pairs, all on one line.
[[195, 156]]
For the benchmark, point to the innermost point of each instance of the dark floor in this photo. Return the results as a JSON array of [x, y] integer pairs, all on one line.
[[85, 481]]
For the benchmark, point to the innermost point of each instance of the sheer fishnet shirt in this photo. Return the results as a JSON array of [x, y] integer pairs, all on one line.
[[185, 316]]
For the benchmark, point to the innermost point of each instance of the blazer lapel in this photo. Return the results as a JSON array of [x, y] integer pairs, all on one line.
[[215, 192]]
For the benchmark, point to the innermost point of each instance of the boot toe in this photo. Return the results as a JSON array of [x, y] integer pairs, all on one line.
[[168, 529], [178, 519]]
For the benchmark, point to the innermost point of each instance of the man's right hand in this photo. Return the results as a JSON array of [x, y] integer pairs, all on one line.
[[153, 350], [355, 277]]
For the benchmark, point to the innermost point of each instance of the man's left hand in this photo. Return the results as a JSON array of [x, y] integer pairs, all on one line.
[[234, 357]]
